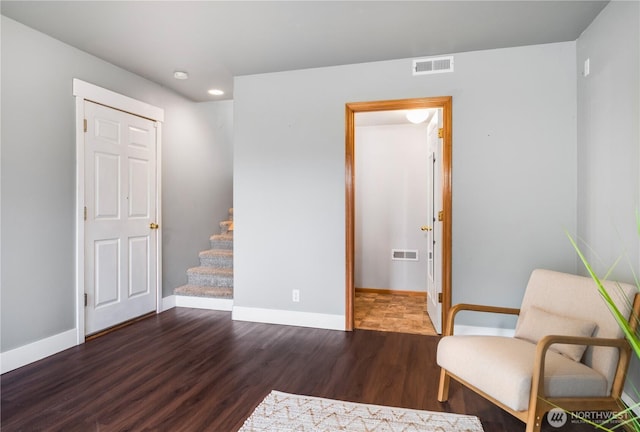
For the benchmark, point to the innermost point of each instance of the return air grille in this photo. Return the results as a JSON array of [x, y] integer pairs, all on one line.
[[404, 255], [433, 65]]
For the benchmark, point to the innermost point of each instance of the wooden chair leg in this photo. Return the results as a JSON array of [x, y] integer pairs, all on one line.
[[535, 416], [534, 425], [443, 387]]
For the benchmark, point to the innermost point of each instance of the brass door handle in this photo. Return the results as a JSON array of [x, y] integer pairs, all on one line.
[[425, 228], [154, 225]]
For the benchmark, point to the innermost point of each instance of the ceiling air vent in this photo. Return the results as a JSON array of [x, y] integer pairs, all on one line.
[[433, 65]]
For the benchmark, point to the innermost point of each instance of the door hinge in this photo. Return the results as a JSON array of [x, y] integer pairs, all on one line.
[[441, 215], [85, 125], [85, 299], [85, 212], [439, 297], [440, 133]]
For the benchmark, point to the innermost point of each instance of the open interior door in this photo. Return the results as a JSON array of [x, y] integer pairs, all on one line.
[[433, 228]]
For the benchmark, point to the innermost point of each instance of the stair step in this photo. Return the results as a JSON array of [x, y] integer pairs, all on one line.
[[222, 241], [226, 226], [204, 291], [221, 258], [214, 277], [210, 276]]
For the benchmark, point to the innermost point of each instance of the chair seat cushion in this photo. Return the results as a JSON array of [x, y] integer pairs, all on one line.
[[502, 367]]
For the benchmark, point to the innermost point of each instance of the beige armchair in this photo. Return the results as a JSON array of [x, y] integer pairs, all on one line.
[[568, 351]]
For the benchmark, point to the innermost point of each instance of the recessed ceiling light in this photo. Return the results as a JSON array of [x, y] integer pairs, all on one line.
[[216, 92], [180, 75]]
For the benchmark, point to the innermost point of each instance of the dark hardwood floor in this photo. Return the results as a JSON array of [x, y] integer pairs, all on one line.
[[197, 370]]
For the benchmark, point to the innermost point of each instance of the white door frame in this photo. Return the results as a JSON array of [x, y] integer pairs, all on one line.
[[84, 91]]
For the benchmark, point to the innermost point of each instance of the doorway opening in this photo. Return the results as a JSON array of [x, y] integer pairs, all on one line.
[[442, 195]]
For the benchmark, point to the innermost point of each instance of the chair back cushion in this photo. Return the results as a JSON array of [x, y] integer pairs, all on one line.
[[539, 323], [578, 298]]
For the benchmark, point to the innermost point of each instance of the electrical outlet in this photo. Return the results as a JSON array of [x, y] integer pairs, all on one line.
[[295, 295]]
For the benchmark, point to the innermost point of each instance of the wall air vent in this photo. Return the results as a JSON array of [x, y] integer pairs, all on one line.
[[433, 65], [404, 255]]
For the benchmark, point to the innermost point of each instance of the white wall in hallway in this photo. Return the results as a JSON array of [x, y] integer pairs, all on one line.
[[391, 205]]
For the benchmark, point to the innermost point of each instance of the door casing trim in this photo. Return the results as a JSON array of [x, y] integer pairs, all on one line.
[[84, 91], [444, 102]]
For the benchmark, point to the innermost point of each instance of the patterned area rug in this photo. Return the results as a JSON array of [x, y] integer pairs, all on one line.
[[283, 412]]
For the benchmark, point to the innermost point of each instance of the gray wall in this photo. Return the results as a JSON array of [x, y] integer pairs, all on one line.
[[609, 144], [197, 184], [609, 138], [38, 178], [514, 173]]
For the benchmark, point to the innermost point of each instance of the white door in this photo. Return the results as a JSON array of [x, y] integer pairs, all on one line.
[[433, 229], [120, 211]]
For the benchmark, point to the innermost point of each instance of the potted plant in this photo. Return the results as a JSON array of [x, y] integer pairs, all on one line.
[[626, 418]]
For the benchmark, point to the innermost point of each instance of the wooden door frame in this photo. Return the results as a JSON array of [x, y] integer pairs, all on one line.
[[84, 91], [444, 102]]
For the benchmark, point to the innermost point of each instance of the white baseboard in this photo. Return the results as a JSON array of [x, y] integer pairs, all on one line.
[[285, 317], [204, 303], [38, 350], [168, 302], [628, 400]]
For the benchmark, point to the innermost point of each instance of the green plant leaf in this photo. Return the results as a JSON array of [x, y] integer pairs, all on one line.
[[630, 335], [627, 419]]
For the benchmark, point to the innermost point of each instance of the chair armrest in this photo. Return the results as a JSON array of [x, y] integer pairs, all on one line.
[[543, 345], [475, 308]]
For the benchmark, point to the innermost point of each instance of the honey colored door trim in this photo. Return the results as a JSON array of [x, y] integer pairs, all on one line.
[[444, 102]]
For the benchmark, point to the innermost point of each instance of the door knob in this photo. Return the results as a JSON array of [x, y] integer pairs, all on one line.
[[425, 228], [154, 225]]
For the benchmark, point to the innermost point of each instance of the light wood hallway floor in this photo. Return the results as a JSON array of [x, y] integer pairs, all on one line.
[[396, 312]]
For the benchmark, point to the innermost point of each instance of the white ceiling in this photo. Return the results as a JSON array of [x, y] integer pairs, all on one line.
[[216, 40]]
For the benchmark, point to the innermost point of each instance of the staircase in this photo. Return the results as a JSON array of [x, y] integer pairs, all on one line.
[[214, 277]]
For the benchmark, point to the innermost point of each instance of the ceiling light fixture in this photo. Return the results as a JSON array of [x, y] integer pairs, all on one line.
[[417, 116], [180, 75], [216, 92]]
